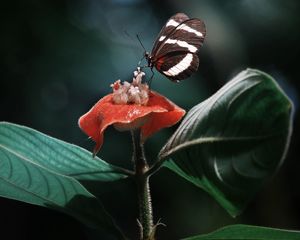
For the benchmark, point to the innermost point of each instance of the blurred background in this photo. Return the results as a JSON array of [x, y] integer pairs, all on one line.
[[59, 57]]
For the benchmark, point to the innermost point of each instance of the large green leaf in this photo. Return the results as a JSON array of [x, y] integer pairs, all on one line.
[[246, 232], [54, 154], [232, 142], [27, 181]]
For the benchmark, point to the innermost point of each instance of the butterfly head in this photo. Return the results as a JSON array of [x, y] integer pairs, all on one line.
[[148, 57]]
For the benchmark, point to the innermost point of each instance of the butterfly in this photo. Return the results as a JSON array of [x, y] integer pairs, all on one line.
[[174, 53]]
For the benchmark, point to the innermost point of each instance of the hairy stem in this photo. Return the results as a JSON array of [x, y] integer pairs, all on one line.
[[143, 190]]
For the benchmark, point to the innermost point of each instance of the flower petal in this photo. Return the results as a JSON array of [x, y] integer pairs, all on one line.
[[157, 114], [106, 112], [161, 120]]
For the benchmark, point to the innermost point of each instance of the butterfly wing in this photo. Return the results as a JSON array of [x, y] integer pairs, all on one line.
[[188, 36], [175, 51], [178, 65], [170, 25]]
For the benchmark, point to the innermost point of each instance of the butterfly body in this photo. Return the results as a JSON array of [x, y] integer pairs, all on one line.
[[174, 53]]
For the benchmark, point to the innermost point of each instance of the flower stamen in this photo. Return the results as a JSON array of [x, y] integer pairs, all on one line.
[[131, 93]]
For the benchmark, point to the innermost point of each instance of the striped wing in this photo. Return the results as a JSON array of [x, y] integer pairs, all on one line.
[[178, 65], [175, 51], [168, 28]]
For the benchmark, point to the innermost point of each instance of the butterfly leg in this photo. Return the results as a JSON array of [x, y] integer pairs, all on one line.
[[152, 75]]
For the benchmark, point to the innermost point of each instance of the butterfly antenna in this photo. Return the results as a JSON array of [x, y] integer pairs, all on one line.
[[138, 38], [144, 56]]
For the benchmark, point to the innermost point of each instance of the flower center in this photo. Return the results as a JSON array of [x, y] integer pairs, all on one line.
[[131, 93]]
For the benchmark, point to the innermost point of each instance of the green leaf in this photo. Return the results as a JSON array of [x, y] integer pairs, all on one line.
[[231, 143], [246, 232], [24, 180], [55, 155]]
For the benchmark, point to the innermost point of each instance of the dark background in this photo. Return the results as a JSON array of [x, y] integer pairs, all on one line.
[[57, 58]]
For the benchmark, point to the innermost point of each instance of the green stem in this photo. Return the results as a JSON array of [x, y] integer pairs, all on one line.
[[143, 190]]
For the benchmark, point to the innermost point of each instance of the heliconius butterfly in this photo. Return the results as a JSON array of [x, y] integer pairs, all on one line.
[[174, 53]]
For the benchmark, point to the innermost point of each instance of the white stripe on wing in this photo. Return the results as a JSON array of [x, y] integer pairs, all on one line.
[[189, 29], [172, 22], [180, 67], [183, 44], [161, 38]]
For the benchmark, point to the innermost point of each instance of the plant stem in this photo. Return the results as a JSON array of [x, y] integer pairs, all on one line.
[[143, 190]]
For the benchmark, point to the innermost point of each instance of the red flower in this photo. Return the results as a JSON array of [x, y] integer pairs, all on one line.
[[131, 106]]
